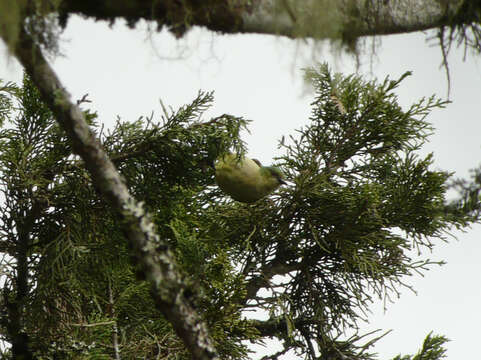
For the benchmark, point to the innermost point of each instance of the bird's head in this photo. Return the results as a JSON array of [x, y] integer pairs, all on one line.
[[276, 173]]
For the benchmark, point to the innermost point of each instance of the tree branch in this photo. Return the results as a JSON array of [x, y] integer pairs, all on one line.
[[346, 19], [16, 308], [276, 327], [278, 266], [169, 289]]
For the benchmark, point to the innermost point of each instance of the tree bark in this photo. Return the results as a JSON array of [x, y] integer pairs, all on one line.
[[319, 19]]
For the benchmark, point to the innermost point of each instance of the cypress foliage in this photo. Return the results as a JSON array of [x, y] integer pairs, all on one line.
[[313, 256]]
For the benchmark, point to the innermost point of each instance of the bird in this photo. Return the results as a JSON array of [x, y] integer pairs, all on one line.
[[245, 179]]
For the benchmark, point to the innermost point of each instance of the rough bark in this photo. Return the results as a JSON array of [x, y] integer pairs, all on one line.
[[346, 19], [168, 286], [355, 17]]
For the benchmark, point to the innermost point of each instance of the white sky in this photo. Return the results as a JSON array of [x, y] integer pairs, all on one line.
[[126, 72]]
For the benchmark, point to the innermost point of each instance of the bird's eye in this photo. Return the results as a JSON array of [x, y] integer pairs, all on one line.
[[278, 177]]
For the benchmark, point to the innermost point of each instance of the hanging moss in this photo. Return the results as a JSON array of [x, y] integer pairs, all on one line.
[[42, 23]]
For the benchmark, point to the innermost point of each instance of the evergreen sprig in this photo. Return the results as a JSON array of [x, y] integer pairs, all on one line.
[[312, 257]]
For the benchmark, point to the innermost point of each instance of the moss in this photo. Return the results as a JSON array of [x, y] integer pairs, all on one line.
[[177, 16], [320, 17], [42, 25], [10, 25], [218, 15]]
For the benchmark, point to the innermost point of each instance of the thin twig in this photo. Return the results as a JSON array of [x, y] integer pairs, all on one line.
[[115, 332], [87, 325]]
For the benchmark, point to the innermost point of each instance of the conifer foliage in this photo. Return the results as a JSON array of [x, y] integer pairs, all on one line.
[[313, 256]]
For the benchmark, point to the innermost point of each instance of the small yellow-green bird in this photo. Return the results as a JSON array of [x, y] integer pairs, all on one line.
[[246, 180]]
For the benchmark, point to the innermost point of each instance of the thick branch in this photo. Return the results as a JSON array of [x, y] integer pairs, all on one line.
[[168, 287], [346, 19]]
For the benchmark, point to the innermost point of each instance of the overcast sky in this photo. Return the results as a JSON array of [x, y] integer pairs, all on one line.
[[126, 72]]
